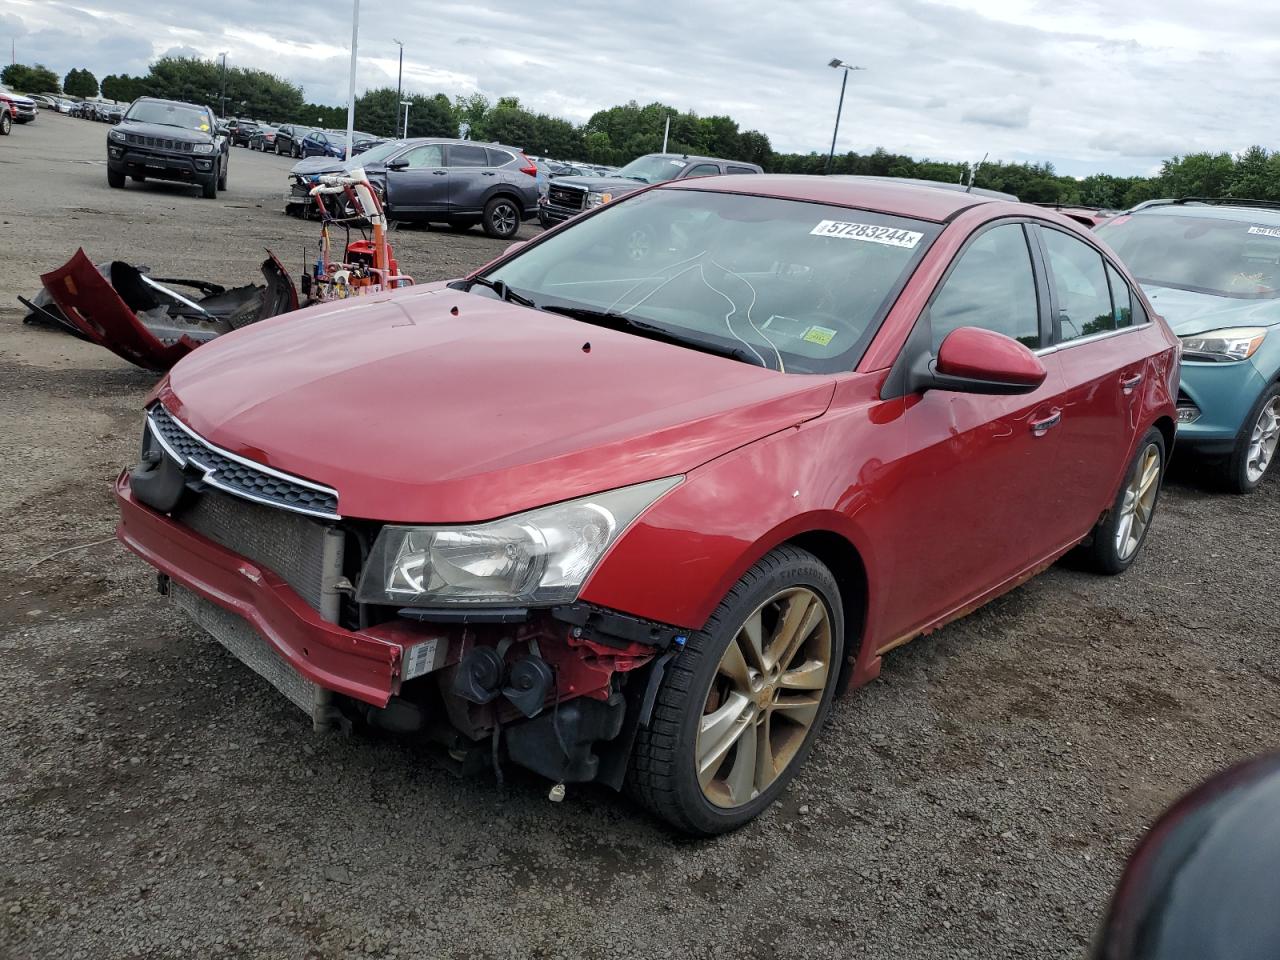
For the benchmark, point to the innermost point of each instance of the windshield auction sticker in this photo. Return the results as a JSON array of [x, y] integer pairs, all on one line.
[[1265, 231], [867, 232]]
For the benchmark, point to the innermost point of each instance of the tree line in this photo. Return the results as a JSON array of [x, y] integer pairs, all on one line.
[[618, 134]]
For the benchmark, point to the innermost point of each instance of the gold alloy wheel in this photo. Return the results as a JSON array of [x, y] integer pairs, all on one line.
[[764, 697], [1139, 503]]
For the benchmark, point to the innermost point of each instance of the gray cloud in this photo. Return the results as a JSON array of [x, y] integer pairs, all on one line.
[[1089, 84]]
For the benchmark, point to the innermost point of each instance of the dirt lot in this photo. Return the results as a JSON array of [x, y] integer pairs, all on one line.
[[158, 800]]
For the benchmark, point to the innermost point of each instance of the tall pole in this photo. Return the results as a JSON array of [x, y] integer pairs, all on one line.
[[839, 109], [351, 87], [222, 93], [666, 130], [400, 73]]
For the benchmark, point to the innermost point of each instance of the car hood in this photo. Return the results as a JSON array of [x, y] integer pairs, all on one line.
[[314, 166], [1189, 313], [436, 406], [181, 134], [614, 185]]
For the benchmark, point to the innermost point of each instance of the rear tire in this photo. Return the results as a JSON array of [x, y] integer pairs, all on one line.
[[1256, 445], [501, 218], [789, 676], [1119, 536], [115, 178]]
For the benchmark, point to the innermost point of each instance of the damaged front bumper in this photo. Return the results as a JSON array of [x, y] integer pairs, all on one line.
[[120, 307], [558, 692]]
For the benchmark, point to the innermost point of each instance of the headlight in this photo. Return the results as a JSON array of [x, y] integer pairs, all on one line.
[[203, 148], [117, 135], [540, 557], [596, 199], [1236, 343]]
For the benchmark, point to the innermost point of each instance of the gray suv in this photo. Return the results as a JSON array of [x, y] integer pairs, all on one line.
[[432, 180], [567, 196]]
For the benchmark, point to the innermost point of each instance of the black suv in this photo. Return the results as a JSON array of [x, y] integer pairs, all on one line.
[[168, 140], [567, 196]]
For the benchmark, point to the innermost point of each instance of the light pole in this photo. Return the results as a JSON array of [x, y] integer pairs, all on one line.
[[222, 94], [400, 72], [847, 68], [405, 104], [351, 88]]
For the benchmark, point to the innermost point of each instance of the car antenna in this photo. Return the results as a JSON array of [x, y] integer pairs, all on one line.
[[973, 174]]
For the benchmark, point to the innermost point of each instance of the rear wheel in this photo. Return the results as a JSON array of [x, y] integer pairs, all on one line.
[[739, 708], [501, 218], [115, 178], [1255, 449], [277, 148], [1119, 536]]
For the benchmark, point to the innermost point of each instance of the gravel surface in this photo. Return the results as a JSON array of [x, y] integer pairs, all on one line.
[[159, 800]]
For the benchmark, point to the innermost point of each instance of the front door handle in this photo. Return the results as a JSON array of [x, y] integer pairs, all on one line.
[[489, 173], [1129, 384], [1040, 427]]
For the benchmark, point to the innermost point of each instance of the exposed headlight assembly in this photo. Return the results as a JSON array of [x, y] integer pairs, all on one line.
[[117, 135], [203, 148], [1235, 343], [536, 558], [597, 199]]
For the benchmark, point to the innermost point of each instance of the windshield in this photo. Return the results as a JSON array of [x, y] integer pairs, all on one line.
[[379, 153], [653, 169], [169, 115], [795, 286], [1226, 258]]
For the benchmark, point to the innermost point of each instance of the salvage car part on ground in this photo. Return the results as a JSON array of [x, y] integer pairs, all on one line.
[[634, 512], [143, 319]]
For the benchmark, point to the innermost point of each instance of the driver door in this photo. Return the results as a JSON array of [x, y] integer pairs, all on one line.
[[418, 181], [966, 514]]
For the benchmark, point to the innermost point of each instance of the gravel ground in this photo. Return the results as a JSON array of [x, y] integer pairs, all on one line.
[[159, 800]]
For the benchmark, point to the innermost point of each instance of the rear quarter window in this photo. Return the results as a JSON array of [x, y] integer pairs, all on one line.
[[733, 169]]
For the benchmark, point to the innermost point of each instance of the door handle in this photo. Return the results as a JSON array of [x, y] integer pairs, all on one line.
[[489, 173], [1129, 384], [440, 173], [1040, 427]]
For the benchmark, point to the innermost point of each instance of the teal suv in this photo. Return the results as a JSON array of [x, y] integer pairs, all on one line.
[[1212, 269]]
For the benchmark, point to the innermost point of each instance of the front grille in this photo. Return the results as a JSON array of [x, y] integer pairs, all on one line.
[[238, 476], [305, 554], [566, 196], [160, 143]]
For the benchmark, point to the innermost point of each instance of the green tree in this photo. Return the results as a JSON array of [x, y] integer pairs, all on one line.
[[30, 79], [80, 83], [124, 88], [250, 93], [378, 111], [1256, 175], [1197, 175]]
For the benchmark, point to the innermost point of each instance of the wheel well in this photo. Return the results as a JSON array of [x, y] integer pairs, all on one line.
[[509, 195], [845, 563], [1169, 431]]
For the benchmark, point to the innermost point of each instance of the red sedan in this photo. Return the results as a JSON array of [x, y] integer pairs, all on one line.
[[635, 501]]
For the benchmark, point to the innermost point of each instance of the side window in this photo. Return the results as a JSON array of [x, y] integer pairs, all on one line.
[[428, 155], [1080, 280], [1121, 298], [467, 156], [993, 286], [702, 170], [498, 158], [732, 169]]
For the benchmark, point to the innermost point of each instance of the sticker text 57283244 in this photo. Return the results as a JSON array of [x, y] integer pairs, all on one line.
[[890, 236]]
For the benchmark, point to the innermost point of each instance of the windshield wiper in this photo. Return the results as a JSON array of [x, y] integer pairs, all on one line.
[[620, 321], [503, 291], [630, 176]]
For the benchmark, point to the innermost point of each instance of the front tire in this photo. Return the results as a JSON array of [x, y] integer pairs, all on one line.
[[115, 178], [1256, 445], [501, 218], [209, 189], [6, 123], [1119, 536], [741, 705], [222, 175]]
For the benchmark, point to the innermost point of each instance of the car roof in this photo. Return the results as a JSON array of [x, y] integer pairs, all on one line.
[[694, 158], [1215, 210], [921, 201], [176, 103]]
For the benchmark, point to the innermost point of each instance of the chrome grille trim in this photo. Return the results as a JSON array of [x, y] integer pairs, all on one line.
[[265, 485]]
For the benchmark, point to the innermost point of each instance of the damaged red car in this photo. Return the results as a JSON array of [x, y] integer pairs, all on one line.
[[634, 502]]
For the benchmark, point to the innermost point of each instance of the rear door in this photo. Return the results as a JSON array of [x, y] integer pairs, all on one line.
[[1105, 358], [418, 181], [470, 177], [967, 511]]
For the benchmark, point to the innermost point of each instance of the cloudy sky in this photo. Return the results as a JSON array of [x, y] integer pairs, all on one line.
[[1092, 85]]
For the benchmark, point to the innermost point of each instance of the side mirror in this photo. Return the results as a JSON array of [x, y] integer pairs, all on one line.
[[973, 360], [397, 164]]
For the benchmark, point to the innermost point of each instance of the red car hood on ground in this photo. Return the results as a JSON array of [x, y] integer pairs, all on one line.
[[414, 414]]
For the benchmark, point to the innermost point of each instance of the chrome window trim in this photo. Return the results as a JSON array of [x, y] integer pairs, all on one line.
[[1091, 338], [210, 473]]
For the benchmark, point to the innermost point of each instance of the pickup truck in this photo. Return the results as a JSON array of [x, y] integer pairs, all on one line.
[[569, 196]]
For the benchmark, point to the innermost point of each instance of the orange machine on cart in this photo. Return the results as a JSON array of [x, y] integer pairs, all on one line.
[[368, 264]]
